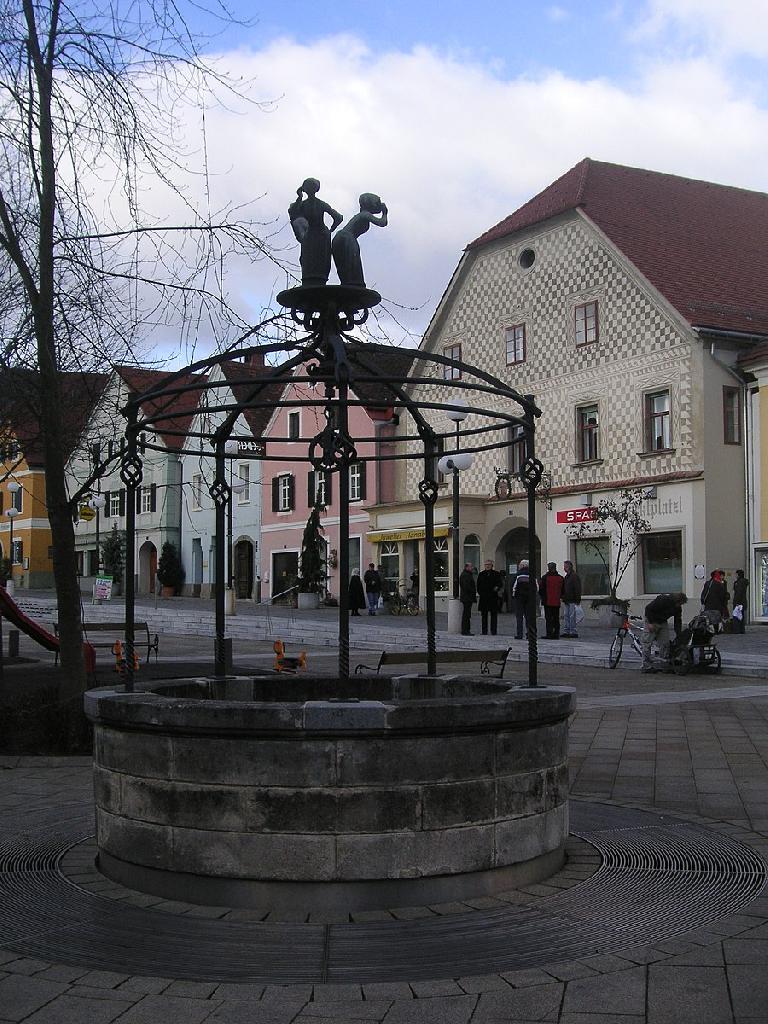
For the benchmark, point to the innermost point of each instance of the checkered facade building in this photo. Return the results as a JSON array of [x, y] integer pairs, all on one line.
[[642, 347]]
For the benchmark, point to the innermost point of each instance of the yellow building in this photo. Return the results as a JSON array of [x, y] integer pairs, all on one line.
[[27, 539]]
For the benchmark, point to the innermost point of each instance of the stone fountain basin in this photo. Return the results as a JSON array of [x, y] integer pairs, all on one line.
[[288, 792]]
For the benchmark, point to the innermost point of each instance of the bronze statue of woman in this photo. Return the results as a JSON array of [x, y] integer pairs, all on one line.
[[308, 223], [346, 248]]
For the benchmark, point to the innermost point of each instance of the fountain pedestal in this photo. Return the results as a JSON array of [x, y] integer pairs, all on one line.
[[267, 793]]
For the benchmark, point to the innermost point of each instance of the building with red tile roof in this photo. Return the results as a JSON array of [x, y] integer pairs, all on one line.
[[622, 299]]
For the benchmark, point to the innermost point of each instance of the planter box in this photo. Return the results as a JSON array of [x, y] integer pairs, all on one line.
[[308, 601]]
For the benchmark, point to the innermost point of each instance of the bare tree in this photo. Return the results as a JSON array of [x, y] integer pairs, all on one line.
[[91, 103], [622, 522]]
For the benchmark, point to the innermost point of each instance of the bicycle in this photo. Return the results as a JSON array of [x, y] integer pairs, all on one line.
[[403, 602], [626, 629], [680, 658]]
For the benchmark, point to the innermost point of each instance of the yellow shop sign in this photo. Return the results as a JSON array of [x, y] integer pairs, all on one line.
[[388, 536]]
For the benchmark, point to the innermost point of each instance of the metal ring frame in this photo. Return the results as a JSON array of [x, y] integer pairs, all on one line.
[[329, 363]]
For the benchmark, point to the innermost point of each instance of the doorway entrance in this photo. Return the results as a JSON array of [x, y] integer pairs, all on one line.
[[147, 567], [513, 548], [244, 569], [285, 571]]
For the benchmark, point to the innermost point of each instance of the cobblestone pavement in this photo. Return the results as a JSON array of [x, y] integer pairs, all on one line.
[[699, 754]]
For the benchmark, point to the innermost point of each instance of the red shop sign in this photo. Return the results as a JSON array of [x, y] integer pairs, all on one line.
[[576, 515]]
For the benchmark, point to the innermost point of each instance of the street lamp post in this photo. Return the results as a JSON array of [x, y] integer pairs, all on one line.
[[454, 464], [13, 488], [231, 448]]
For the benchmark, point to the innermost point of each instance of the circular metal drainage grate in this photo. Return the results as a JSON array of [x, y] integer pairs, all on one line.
[[658, 877]]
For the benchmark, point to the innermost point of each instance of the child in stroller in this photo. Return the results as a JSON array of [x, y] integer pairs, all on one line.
[[698, 635]]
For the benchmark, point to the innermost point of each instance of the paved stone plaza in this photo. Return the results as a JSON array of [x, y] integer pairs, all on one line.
[[660, 914]]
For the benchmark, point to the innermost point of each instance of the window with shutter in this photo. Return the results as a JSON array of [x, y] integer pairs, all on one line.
[[276, 494], [107, 505], [121, 502]]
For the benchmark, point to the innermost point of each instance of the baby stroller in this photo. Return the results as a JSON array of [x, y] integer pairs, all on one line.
[[699, 636]]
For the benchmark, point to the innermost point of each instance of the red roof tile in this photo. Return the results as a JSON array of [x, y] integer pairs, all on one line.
[[181, 407], [257, 419], [703, 246], [20, 400]]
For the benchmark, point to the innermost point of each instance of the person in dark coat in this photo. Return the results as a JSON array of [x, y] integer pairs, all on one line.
[[356, 593], [657, 615], [714, 598], [571, 599], [521, 589], [373, 587], [489, 593], [467, 596], [740, 585], [551, 592]]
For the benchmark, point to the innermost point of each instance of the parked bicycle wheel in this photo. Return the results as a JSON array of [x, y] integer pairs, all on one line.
[[614, 656], [395, 605]]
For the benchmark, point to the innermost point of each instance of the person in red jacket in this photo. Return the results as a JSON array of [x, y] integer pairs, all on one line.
[[551, 592]]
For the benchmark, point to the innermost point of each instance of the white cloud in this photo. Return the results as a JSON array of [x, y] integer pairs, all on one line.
[[452, 148], [558, 13], [728, 27]]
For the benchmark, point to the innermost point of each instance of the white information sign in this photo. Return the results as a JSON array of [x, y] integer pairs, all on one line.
[[102, 588]]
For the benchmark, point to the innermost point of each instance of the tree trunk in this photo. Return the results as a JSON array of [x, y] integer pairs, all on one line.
[[51, 414]]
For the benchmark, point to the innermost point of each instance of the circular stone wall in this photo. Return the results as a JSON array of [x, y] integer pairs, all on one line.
[[421, 791]]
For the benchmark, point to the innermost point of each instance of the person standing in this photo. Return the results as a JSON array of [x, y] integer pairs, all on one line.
[[372, 580], [521, 590], [467, 596], [657, 614], [714, 598], [551, 591], [489, 593], [571, 600], [356, 593], [740, 585]]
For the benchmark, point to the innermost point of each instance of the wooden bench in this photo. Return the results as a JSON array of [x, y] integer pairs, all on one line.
[[142, 636], [494, 658]]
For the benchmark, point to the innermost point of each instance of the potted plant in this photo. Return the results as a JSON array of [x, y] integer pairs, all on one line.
[[311, 562], [113, 558], [170, 571], [621, 520]]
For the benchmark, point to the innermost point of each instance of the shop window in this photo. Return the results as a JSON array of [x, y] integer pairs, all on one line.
[[762, 582], [662, 562], [732, 415], [472, 551], [441, 565], [389, 559], [586, 323], [514, 339], [592, 559], [588, 433], [658, 428]]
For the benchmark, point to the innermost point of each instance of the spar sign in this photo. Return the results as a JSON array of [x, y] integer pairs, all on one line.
[[576, 515]]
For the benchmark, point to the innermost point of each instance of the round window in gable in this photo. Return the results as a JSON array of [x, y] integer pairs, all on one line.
[[526, 259]]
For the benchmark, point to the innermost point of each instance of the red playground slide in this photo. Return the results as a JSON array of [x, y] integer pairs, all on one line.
[[11, 611]]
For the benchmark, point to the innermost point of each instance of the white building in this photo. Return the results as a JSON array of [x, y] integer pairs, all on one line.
[[621, 300]]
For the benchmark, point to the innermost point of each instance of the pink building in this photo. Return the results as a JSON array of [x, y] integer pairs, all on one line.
[[291, 487]]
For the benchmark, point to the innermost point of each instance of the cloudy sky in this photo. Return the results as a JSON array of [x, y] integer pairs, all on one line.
[[456, 114]]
